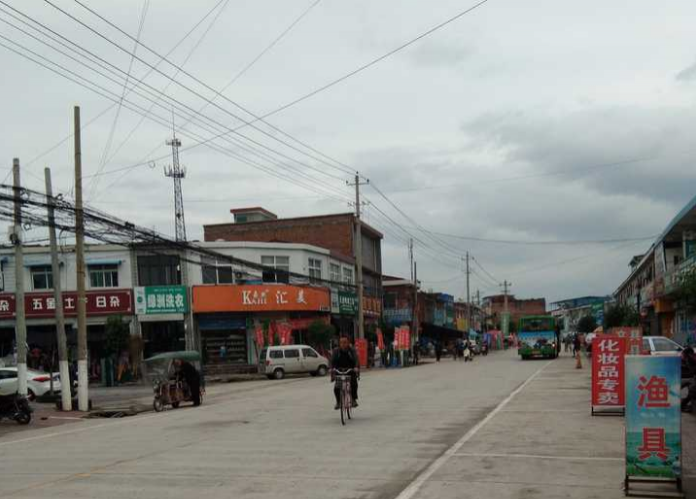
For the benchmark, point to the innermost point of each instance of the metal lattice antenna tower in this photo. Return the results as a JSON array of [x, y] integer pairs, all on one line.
[[176, 172]]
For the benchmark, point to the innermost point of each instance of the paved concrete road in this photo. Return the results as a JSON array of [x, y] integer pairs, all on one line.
[[283, 440]]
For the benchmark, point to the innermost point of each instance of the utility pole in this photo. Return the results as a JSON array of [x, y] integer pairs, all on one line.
[[82, 378], [177, 173], [66, 395], [21, 323], [410, 257], [506, 311], [358, 257], [414, 312], [468, 295]]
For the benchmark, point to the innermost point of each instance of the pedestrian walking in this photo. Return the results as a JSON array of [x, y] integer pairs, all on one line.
[[438, 350]]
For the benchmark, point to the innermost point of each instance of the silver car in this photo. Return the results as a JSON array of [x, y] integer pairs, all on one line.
[[276, 362]]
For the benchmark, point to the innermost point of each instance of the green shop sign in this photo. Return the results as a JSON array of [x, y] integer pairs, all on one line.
[[347, 303], [161, 300]]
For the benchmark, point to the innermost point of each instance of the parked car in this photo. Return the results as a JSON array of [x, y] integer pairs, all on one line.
[[276, 362], [38, 383], [659, 345]]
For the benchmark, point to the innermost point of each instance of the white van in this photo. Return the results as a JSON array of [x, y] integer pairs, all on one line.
[[276, 362]]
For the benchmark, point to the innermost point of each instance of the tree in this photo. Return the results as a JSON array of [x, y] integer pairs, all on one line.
[[117, 335], [686, 290], [587, 324], [319, 334], [620, 315]]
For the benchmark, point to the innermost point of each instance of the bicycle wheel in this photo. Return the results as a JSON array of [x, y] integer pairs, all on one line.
[[348, 403], [343, 410]]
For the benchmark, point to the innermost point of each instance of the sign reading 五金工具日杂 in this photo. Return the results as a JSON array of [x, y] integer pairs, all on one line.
[[608, 352], [161, 300], [653, 418]]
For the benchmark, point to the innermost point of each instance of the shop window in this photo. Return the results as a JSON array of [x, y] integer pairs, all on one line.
[[347, 275], [335, 272], [42, 277], [103, 276], [216, 273], [281, 264], [159, 270], [314, 269]]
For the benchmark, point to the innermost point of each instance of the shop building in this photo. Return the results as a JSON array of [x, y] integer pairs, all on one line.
[[109, 293], [654, 280], [495, 307], [230, 302], [335, 233]]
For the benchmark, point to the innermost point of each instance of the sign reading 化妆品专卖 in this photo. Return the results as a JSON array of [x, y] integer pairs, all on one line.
[[608, 353], [161, 300]]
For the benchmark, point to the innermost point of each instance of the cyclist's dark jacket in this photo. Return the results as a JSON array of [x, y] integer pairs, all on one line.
[[344, 359]]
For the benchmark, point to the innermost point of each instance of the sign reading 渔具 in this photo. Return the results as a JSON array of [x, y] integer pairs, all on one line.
[[161, 300], [653, 417], [608, 353]]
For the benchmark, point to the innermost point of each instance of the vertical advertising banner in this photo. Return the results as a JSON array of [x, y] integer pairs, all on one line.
[[608, 353], [380, 339], [653, 417], [259, 337]]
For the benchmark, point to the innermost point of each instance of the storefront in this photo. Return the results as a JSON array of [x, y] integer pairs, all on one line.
[[41, 326], [344, 309], [227, 317], [161, 313]]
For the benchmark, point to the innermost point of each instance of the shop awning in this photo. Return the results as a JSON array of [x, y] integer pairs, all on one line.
[[443, 333], [39, 263]]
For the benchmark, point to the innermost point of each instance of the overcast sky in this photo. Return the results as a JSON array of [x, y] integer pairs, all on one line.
[[525, 121]]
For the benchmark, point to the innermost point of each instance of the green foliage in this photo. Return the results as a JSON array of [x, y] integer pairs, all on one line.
[[587, 324], [686, 290], [319, 334], [117, 335], [620, 315]]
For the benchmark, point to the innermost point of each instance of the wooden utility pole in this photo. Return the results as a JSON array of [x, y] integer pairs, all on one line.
[[66, 394], [20, 323], [82, 377]]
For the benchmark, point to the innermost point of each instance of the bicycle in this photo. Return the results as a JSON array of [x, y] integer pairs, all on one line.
[[346, 394]]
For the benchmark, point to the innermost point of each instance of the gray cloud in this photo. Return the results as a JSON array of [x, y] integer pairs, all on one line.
[[687, 74]]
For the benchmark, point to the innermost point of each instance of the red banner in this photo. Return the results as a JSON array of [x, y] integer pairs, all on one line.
[[259, 337], [285, 333], [380, 339], [402, 337], [634, 337], [106, 302], [361, 349], [271, 333], [608, 352]]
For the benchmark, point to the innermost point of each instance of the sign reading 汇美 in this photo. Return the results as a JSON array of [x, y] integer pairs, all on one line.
[[653, 417], [608, 353], [161, 300]]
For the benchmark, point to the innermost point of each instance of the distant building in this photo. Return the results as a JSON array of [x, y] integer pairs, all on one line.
[[577, 308], [494, 306]]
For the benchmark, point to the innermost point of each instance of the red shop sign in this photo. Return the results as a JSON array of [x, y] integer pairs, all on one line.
[[38, 305], [608, 379]]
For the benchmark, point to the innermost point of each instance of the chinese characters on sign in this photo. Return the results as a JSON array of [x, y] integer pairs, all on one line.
[[161, 300], [653, 417], [260, 298], [608, 352], [38, 305], [634, 336]]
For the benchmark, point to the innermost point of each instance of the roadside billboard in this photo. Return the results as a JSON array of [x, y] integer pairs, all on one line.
[[608, 377], [653, 418]]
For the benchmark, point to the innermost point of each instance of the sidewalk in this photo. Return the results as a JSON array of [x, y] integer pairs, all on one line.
[[545, 444]]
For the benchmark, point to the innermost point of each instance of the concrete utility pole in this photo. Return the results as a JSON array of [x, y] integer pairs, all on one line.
[[505, 292], [82, 378], [410, 256], [358, 257], [21, 323], [468, 296], [414, 318], [66, 394]]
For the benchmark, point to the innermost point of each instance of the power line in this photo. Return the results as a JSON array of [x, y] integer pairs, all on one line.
[[492, 277], [545, 243]]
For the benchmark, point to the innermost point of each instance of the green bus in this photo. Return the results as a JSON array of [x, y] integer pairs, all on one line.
[[537, 337]]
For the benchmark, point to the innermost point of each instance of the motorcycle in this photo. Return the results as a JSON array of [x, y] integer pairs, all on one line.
[[484, 349], [468, 354], [15, 407]]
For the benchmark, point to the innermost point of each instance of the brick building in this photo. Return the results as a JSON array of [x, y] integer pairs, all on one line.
[[333, 232], [495, 306]]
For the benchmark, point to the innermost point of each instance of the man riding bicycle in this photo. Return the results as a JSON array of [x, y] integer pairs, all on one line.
[[344, 358]]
